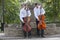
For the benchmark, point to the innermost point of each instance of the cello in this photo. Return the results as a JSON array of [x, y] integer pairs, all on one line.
[[41, 24], [27, 26]]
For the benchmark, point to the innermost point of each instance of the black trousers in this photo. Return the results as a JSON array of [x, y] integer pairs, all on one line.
[[39, 32], [25, 33]]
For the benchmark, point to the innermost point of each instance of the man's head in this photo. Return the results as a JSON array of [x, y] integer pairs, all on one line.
[[36, 4], [25, 6]]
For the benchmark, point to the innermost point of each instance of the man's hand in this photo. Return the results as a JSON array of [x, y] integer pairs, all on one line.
[[38, 20], [23, 22]]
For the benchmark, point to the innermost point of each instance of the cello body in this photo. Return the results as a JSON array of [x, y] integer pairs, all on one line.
[[27, 26], [41, 24]]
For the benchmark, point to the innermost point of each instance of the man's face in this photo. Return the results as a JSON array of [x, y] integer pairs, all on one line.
[[37, 5], [25, 6]]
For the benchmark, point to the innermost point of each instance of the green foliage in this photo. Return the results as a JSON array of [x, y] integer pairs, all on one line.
[[0, 10], [12, 11], [52, 10], [11, 14]]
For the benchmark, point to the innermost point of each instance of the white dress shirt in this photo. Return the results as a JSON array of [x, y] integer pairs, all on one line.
[[24, 13], [38, 11]]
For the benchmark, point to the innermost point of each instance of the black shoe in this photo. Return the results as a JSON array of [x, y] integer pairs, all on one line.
[[43, 36], [38, 35], [25, 36], [29, 36]]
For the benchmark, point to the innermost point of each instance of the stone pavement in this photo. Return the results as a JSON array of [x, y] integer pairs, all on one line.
[[35, 39], [47, 37]]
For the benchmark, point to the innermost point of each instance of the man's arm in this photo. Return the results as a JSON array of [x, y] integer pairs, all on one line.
[[42, 11], [29, 15], [21, 16], [35, 14]]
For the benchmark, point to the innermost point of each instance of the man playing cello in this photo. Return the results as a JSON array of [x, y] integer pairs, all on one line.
[[39, 15], [25, 18]]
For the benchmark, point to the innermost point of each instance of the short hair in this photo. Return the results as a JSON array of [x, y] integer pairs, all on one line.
[[24, 4], [36, 4]]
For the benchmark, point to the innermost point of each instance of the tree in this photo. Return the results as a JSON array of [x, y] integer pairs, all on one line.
[[12, 11], [11, 15], [0, 10], [52, 10]]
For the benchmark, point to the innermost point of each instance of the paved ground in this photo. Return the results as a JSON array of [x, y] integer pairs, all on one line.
[[48, 37], [35, 39]]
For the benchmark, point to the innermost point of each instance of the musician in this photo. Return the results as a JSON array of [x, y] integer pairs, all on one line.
[[38, 10], [25, 12]]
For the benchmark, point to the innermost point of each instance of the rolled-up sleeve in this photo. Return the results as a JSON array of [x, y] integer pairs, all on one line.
[[35, 14], [42, 11], [21, 16], [29, 13]]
